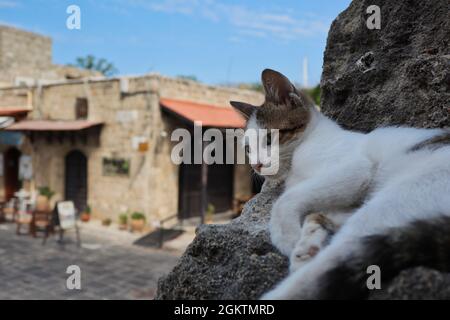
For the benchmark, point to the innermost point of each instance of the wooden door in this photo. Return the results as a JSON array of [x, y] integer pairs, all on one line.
[[76, 175], [11, 172], [190, 191], [219, 188]]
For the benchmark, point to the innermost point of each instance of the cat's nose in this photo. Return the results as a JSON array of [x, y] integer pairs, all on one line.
[[257, 167]]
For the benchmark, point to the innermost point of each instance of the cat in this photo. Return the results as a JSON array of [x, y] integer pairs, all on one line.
[[350, 199]]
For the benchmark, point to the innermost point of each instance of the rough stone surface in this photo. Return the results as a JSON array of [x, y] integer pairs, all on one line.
[[399, 75], [232, 261], [416, 283]]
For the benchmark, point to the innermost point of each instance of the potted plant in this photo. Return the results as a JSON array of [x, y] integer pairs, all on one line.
[[137, 221], [123, 221], [106, 222], [85, 216], [43, 199], [210, 213]]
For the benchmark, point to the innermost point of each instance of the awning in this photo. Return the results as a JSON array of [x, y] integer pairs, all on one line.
[[53, 125], [209, 115], [6, 122], [13, 111]]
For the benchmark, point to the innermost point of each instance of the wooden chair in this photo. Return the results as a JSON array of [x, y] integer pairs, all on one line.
[[41, 221], [2, 212], [23, 214], [10, 210], [23, 218]]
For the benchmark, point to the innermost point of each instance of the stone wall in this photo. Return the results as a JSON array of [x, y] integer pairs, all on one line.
[[152, 185], [23, 53], [26, 58], [14, 97], [125, 116], [195, 91]]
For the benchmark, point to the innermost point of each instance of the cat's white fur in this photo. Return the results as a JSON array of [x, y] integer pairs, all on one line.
[[372, 176]]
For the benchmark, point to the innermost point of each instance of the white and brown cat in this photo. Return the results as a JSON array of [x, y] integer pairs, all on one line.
[[389, 190]]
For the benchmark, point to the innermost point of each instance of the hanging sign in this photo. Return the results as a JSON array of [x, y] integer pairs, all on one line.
[[25, 168]]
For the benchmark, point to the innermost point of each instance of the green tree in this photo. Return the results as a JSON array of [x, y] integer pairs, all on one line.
[[188, 77], [92, 63], [315, 94], [256, 86]]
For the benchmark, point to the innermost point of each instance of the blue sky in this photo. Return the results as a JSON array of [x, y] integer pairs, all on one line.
[[218, 41]]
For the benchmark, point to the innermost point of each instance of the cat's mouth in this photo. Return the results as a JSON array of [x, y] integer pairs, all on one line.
[[257, 167], [266, 169], [262, 169]]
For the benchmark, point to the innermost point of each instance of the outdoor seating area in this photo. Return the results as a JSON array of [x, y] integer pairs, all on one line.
[[33, 216]]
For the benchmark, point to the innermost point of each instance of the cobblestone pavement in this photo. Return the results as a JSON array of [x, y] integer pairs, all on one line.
[[109, 270]]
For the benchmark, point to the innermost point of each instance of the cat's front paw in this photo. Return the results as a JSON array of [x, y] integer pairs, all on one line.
[[313, 237], [302, 255]]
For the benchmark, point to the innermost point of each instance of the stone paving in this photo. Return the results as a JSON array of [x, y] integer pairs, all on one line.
[[109, 269]]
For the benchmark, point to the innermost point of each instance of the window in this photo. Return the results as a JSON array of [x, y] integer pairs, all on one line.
[[116, 167], [81, 108]]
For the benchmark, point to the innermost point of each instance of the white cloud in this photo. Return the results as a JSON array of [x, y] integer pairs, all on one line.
[[252, 33], [235, 39], [9, 4], [172, 6], [278, 25], [244, 21]]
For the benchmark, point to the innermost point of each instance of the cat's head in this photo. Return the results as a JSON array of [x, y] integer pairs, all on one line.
[[283, 116]]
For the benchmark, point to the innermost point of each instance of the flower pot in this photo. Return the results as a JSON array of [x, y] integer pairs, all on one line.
[[137, 224], [85, 217], [123, 226], [42, 203]]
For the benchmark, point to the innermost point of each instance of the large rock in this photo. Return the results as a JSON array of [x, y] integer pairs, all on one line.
[[397, 75], [415, 284], [232, 261]]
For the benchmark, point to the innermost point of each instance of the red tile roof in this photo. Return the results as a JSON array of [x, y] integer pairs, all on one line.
[[209, 115], [52, 125], [9, 112]]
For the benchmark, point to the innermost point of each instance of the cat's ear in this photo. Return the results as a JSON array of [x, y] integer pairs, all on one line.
[[277, 87], [245, 109], [300, 99]]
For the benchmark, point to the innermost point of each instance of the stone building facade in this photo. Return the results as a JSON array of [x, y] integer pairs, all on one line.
[[115, 132], [26, 58]]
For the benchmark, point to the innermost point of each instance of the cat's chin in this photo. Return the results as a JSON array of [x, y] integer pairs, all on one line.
[[279, 176], [272, 178]]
